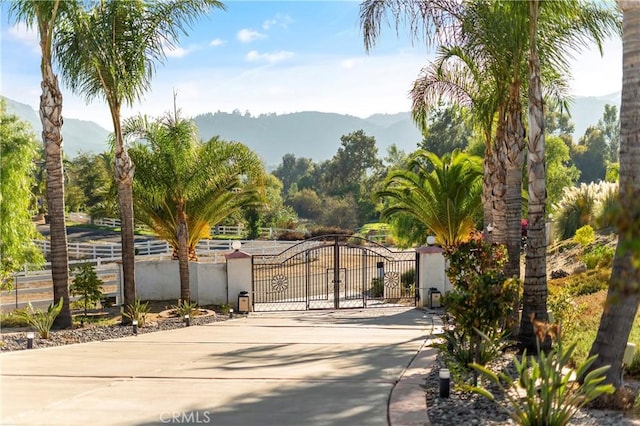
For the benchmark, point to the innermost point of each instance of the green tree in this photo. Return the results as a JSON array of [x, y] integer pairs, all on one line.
[[560, 172], [182, 186], [110, 51], [357, 156], [449, 129], [590, 155], [445, 200], [292, 170], [623, 295], [46, 16], [87, 285], [609, 125], [17, 231], [307, 204], [92, 176]]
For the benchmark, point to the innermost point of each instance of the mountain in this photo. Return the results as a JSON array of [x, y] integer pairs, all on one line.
[[586, 111], [314, 135], [309, 134], [77, 135]]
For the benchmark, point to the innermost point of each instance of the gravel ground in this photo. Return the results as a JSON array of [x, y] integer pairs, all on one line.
[[465, 408], [14, 341]]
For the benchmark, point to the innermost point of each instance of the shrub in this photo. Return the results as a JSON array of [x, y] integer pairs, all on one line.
[[482, 298], [548, 397], [565, 310], [137, 312], [598, 256], [585, 236], [292, 236], [584, 205], [186, 308], [460, 352], [10, 319], [41, 321], [87, 285], [330, 230], [377, 287]]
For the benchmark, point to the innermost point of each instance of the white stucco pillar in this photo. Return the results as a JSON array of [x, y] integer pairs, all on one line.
[[239, 277], [432, 272]]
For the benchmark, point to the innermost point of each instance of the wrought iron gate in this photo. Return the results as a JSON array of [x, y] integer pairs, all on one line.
[[333, 272]]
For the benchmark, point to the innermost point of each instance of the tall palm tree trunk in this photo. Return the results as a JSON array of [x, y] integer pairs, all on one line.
[[124, 171], [513, 159], [487, 210], [183, 253], [498, 187], [624, 294], [51, 117], [535, 281]]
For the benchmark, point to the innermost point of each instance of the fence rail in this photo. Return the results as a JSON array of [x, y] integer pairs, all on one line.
[[36, 287]]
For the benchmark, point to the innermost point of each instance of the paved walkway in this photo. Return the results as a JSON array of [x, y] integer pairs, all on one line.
[[352, 367]]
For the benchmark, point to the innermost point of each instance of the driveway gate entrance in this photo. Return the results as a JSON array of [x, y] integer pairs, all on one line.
[[333, 272]]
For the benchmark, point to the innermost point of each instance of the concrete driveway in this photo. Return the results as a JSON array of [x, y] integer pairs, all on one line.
[[351, 367]]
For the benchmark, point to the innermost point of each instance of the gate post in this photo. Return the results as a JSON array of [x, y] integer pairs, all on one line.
[[431, 272], [239, 277]]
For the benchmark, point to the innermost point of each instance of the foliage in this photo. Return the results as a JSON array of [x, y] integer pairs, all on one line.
[[590, 155], [482, 297], [582, 205], [41, 321], [449, 128], [445, 199], [175, 172], [137, 312], [377, 287], [560, 173], [17, 231], [339, 211], [598, 256], [87, 285], [565, 310], [185, 307], [329, 230], [10, 320], [544, 393], [460, 352], [585, 236]]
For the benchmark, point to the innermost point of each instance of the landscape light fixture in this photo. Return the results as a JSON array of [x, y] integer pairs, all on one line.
[[30, 337], [236, 244], [187, 320], [431, 240], [134, 323], [445, 377], [230, 313]]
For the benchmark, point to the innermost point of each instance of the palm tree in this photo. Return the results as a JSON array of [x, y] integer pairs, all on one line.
[[623, 295], [491, 43], [110, 51], [445, 200], [575, 25], [182, 186], [46, 16]]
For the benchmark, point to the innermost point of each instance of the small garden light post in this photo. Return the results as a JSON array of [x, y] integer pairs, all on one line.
[[187, 320], [134, 324], [445, 377], [30, 337], [230, 313]]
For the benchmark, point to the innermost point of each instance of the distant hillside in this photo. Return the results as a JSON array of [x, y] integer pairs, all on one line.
[[586, 111], [314, 135], [77, 135]]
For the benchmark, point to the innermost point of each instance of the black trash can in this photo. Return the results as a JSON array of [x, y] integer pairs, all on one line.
[[243, 302], [433, 298]]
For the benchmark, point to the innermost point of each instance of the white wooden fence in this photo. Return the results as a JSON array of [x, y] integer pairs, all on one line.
[[36, 287]]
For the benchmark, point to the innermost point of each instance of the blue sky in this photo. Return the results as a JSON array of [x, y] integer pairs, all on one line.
[[280, 57]]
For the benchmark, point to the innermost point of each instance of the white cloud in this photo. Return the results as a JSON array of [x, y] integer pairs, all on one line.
[[217, 42], [24, 35], [350, 63], [280, 20], [177, 52], [271, 58], [246, 35]]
